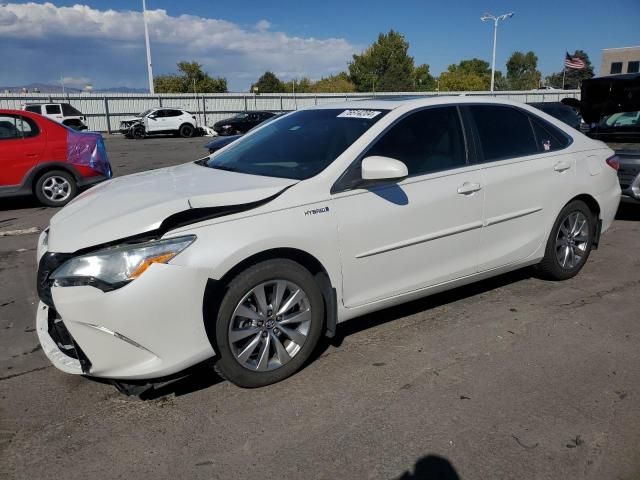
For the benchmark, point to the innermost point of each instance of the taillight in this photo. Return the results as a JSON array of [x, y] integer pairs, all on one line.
[[613, 162]]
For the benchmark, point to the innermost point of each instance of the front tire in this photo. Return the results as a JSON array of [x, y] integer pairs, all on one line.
[[55, 188], [138, 132], [569, 243], [268, 324]]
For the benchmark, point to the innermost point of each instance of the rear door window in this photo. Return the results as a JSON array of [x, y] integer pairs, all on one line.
[[26, 127], [33, 108], [17, 127], [8, 128], [503, 132], [53, 109]]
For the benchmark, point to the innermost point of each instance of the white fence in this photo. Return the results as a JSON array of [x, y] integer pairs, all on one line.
[[104, 111]]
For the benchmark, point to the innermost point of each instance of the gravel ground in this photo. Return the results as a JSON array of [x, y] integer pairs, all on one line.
[[508, 378]]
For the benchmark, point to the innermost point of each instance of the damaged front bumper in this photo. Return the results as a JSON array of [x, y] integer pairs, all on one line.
[[150, 328]]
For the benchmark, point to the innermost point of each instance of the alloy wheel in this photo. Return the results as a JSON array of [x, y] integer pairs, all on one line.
[[56, 188], [572, 240], [270, 325]]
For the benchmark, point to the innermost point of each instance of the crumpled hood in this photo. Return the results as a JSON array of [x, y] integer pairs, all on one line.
[[138, 203], [131, 119]]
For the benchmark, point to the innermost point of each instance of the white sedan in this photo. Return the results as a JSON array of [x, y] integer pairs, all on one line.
[[251, 255]]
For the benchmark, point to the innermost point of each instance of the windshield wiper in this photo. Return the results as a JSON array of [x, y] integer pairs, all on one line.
[[226, 169]]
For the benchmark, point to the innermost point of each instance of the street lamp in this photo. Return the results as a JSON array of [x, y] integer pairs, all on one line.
[[146, 40], [485, 18]]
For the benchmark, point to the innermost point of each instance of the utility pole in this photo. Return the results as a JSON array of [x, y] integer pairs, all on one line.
[[486, 17], [146, 39]]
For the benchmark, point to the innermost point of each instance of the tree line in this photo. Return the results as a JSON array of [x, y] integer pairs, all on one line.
[[386, 66]]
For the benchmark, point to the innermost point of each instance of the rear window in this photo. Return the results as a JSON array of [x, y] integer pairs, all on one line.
[[69, 111], [33, 108], [548, 137]]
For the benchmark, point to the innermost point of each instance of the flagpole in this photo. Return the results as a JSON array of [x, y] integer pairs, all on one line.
[[564, 68]]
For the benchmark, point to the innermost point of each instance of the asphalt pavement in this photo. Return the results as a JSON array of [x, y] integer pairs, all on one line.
[[513, 377]]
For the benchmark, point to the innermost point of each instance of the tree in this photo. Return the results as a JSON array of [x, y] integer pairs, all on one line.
[[573, 78], [468, 75], [340, 83], [385, 66], [424, 81], [522, 71], [268, 83], [190, 77], [302, 85]]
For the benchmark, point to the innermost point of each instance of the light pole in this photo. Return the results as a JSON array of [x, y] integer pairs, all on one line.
[[146, 40], [485, 18]]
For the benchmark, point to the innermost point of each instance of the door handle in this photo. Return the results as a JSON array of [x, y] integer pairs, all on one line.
[[467, 188], [562, 166], [32, 155]]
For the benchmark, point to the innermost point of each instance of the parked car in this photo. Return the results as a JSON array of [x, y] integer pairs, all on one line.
[[326, 214], [217, 143], [159, 121], [562, 112], [59, 112], [618, 127], [42, 157], [224, 140], [629, 175], [241, 122]]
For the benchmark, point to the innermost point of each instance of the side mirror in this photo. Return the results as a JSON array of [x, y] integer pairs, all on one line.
[[152, 116], [383, 168]]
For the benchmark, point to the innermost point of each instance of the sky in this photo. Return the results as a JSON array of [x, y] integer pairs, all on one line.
[[102, 42]]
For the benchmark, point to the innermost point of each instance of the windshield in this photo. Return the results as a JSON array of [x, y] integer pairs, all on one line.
[[621, 119], [297, 146], [145, 113]]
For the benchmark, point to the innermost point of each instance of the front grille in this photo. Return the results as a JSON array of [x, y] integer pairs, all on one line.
[[48, 263], [64, 341]]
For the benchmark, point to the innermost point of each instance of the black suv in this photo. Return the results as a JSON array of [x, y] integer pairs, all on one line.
[[241, 122]]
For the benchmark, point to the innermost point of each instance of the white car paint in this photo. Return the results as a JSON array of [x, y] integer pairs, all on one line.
[[421, 235]]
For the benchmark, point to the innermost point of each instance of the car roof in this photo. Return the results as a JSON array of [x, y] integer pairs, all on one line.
[[393, 102], [13, 111]]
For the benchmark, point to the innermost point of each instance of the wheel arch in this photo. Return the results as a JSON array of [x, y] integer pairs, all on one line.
[[216, 289], [40, 170]]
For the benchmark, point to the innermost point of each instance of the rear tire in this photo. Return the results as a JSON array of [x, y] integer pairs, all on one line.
[[569, 243], [186, 130], [285, 319], [55, 188]]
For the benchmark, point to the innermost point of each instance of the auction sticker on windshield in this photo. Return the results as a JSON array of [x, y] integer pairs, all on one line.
[[368, 114]]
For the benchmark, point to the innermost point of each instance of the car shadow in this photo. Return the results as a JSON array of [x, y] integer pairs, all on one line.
[[203, 376], [380, 317], [20, 203]]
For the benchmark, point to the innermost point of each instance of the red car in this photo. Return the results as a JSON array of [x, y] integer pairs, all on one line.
[[41, 157]]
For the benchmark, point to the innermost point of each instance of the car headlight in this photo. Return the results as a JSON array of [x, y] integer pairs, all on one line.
[[115, 266]]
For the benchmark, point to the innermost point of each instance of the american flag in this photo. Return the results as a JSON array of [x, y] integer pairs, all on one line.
[[574, 62]]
